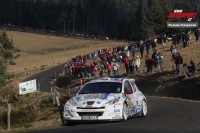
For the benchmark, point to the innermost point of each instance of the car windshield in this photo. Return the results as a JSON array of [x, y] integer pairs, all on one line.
[[101, 87]]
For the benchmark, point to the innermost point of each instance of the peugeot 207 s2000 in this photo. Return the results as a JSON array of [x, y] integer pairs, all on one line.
[[106, 99]]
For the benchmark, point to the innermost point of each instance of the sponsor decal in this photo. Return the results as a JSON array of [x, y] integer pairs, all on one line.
[[111, 114], [123, 96], [96, 96], [84, 103], [141, 94], [117, 117], [138, 110], [98, 102], [116, 79], [134, 112], [117, 111], [180, 14], [66, 105], [105, 96], [118, 104], [78, 99], [89, 106]]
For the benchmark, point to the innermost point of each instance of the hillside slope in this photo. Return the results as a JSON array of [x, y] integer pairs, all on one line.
[[165, 83]]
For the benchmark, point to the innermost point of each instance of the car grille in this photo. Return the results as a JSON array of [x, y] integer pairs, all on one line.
[[90, 113], [90, 102]]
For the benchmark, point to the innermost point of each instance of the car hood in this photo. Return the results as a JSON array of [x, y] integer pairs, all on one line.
[[94, 100]]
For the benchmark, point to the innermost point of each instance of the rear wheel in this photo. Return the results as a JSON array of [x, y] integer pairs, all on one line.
[[144, 109], [124, 112]]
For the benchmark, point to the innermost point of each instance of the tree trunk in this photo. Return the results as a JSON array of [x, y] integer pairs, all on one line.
[[64, 25], [73, 22], [87, 23], [97, 24]]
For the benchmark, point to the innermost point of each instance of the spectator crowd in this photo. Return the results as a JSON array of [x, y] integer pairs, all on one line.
[[128, 58]]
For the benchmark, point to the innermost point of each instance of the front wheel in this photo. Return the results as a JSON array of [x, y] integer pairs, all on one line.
[[124, 112], [144, 109]]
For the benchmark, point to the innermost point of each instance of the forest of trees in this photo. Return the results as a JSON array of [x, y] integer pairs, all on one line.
[[123, 19]]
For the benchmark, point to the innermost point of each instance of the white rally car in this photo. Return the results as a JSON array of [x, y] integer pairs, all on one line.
[[106, 99]]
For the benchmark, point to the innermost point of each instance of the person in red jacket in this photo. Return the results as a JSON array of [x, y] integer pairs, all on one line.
[[126, 64], [81, 58], [149, 63], [108, 67]]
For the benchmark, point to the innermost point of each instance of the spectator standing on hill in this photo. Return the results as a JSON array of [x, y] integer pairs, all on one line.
[[160, 61], [147, 46], [154, 44], [154, 57], [126, 64], [114, 67], [179, 38], [133, 50], [108, 67], [174, 39], [141, 48], [187, 38], [197, 34], [179, 63], [127, 53], [132, 65], [137, 64], [149, 63], [173, 50], [101, 69], [191, 69]]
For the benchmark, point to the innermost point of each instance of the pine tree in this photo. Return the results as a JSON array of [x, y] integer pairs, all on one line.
[[7, 55]]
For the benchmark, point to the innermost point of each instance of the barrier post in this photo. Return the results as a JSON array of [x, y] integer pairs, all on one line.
[[8, 116]]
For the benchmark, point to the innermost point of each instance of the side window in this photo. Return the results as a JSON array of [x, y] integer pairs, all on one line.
[[127, 88], [133, 86]]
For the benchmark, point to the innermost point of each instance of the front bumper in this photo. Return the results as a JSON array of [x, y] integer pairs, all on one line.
[[108, 113]]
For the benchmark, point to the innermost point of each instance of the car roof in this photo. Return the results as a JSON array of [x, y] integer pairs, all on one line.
[[108, 79]]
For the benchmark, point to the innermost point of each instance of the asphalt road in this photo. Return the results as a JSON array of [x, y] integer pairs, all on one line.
[[44, 78], [164, 115]]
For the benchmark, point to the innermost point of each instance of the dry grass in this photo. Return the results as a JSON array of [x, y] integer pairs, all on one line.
[[38, 50]]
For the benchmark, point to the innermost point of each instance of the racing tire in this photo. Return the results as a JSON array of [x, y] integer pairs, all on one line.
[[124, 112], [144, 109]]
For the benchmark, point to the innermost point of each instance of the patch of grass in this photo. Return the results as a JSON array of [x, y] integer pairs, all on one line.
[[13, 97], [23, 117], [45, 102], [27, 125]]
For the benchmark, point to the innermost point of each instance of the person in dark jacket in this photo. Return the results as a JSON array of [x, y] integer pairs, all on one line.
[[142, 49], [191, 69], [179, 63], [175, 39], [148, 47], [154, 57]]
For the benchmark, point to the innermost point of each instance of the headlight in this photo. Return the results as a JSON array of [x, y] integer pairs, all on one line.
[[113, 101], [72, 102]]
